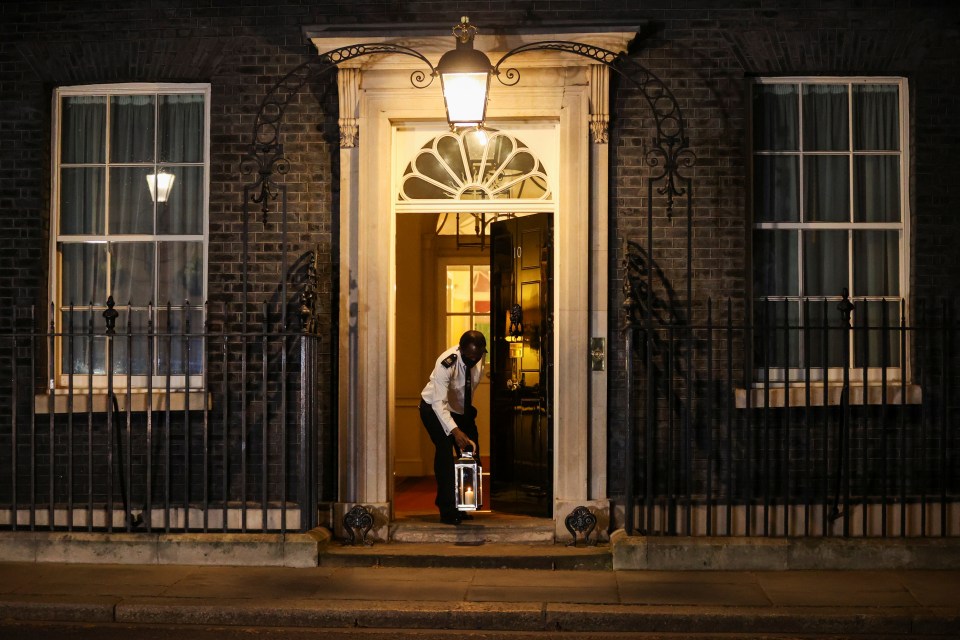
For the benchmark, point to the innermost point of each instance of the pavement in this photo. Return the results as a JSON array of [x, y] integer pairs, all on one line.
[[50, 600]]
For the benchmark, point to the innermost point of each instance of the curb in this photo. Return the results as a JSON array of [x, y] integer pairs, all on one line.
[[520, 617]]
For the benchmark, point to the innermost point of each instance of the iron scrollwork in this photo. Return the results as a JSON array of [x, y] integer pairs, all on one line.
[[582, 521], [265, 153], [358, 522], [671, 148], [309, 322]]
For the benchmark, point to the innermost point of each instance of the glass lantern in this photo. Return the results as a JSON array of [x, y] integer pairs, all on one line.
[[468, 481]]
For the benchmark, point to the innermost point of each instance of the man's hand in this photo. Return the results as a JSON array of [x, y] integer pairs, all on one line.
[[463, 442]]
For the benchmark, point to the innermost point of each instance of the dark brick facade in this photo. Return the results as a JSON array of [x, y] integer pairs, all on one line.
[[704, 51]]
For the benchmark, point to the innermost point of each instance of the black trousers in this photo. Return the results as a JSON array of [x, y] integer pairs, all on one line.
[[443, 456]]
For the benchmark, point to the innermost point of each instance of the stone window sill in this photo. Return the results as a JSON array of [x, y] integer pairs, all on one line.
[[798, 395], [161, 401]]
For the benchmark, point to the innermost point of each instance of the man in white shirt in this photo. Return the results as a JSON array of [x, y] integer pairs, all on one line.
[[447, 413]]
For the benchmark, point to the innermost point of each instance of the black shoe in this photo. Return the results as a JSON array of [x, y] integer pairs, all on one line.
[[454, 519], [466, 515]]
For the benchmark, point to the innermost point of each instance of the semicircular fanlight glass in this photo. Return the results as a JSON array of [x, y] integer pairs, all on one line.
[[474, 165]]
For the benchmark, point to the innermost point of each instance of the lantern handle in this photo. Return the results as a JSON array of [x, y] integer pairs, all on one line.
[[474, 448]]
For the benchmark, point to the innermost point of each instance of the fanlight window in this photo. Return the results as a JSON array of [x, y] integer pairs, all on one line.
[[474, 165]]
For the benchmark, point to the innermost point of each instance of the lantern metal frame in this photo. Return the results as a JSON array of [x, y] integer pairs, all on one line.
[[468, 463]]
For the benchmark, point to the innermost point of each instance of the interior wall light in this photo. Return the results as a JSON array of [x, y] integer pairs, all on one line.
[[160, 185]]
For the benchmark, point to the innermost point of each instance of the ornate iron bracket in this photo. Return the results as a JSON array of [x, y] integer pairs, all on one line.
[[358, 522], [581, 520], [671, 148], [265, 153]]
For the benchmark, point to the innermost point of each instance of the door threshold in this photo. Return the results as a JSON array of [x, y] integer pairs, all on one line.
[[482, 517], [484, 528]]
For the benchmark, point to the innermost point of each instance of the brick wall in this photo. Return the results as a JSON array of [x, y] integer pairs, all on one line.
[[702, 52]]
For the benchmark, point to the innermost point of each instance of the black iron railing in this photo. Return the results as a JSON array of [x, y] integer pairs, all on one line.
[[171, 427], [749, 422]]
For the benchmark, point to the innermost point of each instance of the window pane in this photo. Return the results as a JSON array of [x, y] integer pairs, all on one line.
[[498, 149], [776, 334], [827, 189], [824, 333], [456, 326], [81, 201], [449, 149], [181, 128], [416, 188], [430, 166], [775, 263], [131, 208], [83, 274], [776, 193], [180, 272], [876, 263], [876, 117], [877, 334], [84, 343], [132, 272], [131, 128], [825, 270], [458, 289], [481, 289], [83, 124], [180, 341], [776, 118], [825, 117], [876, 190], [183, 211], [136, 360]]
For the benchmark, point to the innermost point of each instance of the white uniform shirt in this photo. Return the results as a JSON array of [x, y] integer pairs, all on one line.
[[444, 390]]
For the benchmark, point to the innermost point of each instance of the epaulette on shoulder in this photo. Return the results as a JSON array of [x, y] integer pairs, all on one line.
[[449, 361]]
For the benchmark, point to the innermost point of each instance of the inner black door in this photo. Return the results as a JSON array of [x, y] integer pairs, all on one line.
[[521, 365]]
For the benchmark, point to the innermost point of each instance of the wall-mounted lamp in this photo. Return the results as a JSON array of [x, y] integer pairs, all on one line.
[[160, 185], [465, 78]]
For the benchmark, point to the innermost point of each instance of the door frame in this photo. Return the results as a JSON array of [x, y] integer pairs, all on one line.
[[568, 89]]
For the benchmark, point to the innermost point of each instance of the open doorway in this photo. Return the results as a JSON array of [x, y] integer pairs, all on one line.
[[450, 278]]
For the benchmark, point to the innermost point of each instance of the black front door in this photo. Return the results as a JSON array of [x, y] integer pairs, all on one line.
[[521, 365]]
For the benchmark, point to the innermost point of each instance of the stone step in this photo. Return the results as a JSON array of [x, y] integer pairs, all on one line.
[[468, 556], [484, 528], [489, 541]]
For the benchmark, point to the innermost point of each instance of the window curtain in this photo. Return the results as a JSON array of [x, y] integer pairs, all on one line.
[[876, 117], [825, 117], [132, 121], [776, 117], [83, 142], [180, 140]]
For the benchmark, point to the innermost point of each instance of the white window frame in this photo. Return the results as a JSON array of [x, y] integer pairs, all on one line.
[[836, 374], [59, 379], [443, 263]]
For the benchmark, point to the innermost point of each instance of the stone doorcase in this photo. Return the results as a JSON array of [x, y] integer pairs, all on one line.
[[376, 96]]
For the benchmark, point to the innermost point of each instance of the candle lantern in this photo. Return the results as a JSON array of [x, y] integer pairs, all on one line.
[[468, 481]]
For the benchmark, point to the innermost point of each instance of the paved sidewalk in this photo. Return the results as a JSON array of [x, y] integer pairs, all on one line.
[[871, 603]]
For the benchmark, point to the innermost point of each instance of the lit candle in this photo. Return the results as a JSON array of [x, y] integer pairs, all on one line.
[[468, 496]]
